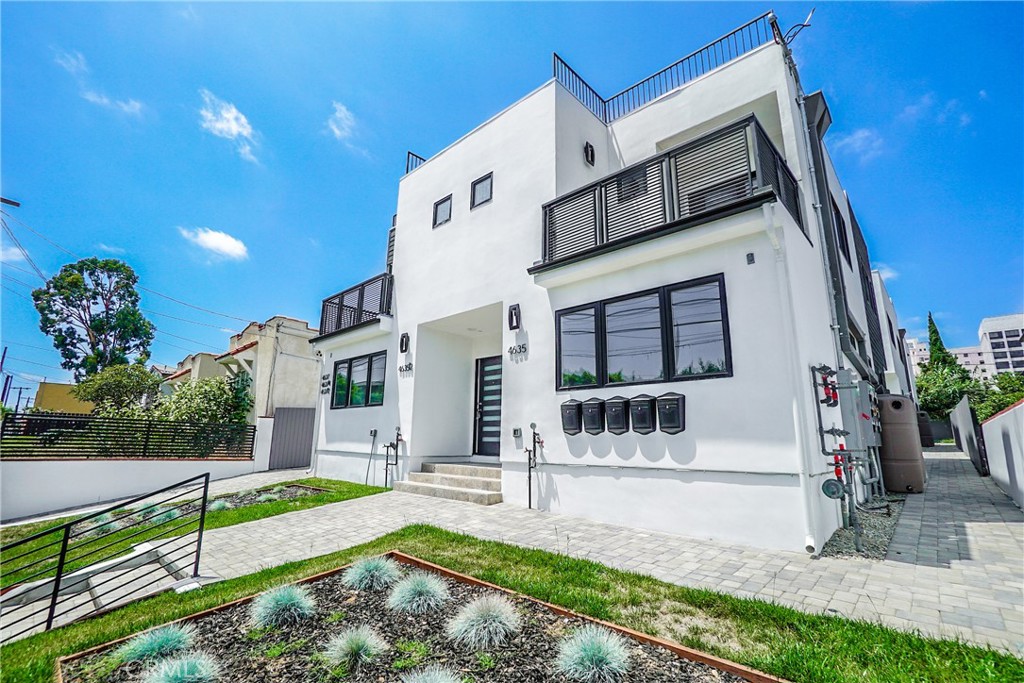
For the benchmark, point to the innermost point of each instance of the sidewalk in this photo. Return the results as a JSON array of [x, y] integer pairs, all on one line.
[[975, 592]]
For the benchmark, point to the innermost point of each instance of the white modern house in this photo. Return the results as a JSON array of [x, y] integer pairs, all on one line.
[[644, 282], [899, 375]]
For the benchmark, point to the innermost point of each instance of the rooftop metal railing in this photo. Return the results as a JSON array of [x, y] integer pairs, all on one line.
[[711, 174], [360, 304], [763, 29]]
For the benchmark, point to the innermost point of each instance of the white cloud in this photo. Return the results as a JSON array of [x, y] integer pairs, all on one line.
[[925, 108], [225, 121], [887, 272], [864, 143], [11, 254], [72, 62], [132, 107], [982, 94], [342, 122], [109, 249], [218, 243], [917, 110]]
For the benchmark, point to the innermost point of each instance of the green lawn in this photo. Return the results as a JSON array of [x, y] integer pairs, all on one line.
[[336, 491], [775, 639]]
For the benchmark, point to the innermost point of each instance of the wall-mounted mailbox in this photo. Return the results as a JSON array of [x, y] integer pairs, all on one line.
[[672, 412], [572, 417], [643, 413], [593, 416], [616, 414]]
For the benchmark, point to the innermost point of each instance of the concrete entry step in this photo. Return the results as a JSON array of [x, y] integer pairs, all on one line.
[[482, 471], [456, 481], [450, 492]]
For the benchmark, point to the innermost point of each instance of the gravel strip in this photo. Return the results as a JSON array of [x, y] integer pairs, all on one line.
[[414, 641], [877, 529]]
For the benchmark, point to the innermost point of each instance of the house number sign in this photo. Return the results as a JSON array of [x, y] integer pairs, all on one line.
[[517, 349]]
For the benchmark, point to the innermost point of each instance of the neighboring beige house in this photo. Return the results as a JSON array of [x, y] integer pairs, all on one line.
[[56, 397], [275, 356]]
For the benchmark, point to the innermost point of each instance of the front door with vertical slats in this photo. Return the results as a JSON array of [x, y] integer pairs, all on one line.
[[487, 423]]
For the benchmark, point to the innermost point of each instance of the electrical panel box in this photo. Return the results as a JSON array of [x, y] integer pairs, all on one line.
[[616, 413], [593, 416], [867, 403], [672, 412], [643, 413], [572, 417]]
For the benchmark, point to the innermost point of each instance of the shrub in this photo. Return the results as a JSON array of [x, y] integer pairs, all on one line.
[[355, 647], [103, 524], [282, 606], [485, 622], [157, 643], [593, 654], [267, 498], [418, 593], [194, 668], [165, 516], [217, 505], [431, 674], [372, 574]]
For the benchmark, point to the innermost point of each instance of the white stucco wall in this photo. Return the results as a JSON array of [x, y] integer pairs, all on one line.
[[1004, 445], [37, 487]]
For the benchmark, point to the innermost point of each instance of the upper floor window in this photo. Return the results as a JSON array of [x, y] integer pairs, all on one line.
[[1012, 333], [841, 237], [443, 211], [359, 381], [480, 192], [995, 335], [998, 345], [676, 332]]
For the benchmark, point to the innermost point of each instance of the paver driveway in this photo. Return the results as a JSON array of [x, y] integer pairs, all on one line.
[[963, 576]]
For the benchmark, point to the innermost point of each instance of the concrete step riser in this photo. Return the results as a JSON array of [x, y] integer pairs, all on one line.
[[459, 482], [465, 495], [463, 470]]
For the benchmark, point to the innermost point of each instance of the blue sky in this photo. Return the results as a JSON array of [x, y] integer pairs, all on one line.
[[245, 157]]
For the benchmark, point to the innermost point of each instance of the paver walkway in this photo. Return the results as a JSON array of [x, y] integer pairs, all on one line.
[[974, 593]]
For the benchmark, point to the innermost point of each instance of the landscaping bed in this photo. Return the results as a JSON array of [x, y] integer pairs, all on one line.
[[878, 524], [412, 642]]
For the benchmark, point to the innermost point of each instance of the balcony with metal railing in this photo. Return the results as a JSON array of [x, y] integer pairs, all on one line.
[[364, 303], [731, 169]]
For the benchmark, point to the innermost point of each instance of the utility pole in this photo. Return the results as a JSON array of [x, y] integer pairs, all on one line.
[[17, 405], [7, 389]]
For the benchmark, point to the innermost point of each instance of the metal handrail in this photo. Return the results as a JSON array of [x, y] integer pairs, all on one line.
[[413, 161], [740, 41], [336, 315], [78, 539]]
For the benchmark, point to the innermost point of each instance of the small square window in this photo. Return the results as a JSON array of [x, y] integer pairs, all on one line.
[[443, 211], [481, 191]]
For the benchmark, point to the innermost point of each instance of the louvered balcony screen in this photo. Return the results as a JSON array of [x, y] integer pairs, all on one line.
[[360, 304]]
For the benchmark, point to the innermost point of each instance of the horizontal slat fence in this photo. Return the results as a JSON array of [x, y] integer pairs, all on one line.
[[62, 435]]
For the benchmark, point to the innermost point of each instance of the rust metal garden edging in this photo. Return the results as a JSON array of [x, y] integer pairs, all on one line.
[[745, 672]]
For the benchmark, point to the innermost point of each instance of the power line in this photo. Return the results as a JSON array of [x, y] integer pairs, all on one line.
[[38, 234], [32, 362], [14, 279], [15, 292], [28, 346], [184, 320], [11, 265], [10, 233], [191, 341], [198, 308]]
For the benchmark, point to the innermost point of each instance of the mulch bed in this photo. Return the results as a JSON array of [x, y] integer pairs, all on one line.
[[878, 525], [291, 655]]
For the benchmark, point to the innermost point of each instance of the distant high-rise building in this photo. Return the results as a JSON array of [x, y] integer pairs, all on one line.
[[1000, 348]]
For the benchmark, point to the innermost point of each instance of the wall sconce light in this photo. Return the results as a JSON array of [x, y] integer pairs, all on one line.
[[403, 343], [514, 317], [588, 153]]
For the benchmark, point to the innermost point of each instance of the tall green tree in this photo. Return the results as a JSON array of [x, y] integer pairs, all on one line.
[[938, 356], [91, 311], [943, 382]]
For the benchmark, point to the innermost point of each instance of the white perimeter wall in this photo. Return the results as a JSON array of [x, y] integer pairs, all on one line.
[[1004, 444], [38, 487]]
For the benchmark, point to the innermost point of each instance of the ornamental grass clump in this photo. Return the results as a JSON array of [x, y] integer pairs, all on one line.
[[165, 516], [593, 654], [484, 623], [268, 498], [157, 643], [372, 574], [432, 674], [355, 647], [104, 524], [193, 668], [277, 489], [218, 505], [282, 606], [418, 593]]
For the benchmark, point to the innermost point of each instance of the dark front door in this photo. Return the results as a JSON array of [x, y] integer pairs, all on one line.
[[487, 424]]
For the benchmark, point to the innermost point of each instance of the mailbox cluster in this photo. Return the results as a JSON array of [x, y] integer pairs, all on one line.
[[616, 414]]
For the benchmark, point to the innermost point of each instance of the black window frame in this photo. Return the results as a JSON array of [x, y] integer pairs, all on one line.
[[472, 191], [842, 239], [438, 203], [369, 358], [995, 335], [667, 337]]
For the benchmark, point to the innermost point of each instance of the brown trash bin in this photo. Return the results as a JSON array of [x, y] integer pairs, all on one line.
[[924, 426], [901, 455]]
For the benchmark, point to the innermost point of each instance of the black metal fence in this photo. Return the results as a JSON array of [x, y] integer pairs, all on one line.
[[360, 304], [62, 435], [103, 559], [709, 174], [751, 35], [412, 161]]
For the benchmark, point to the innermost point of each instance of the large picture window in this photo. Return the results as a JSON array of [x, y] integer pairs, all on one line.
[[359, 381], [675, 333]]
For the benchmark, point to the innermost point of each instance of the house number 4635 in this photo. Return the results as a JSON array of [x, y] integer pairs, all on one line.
[[517, 349]]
